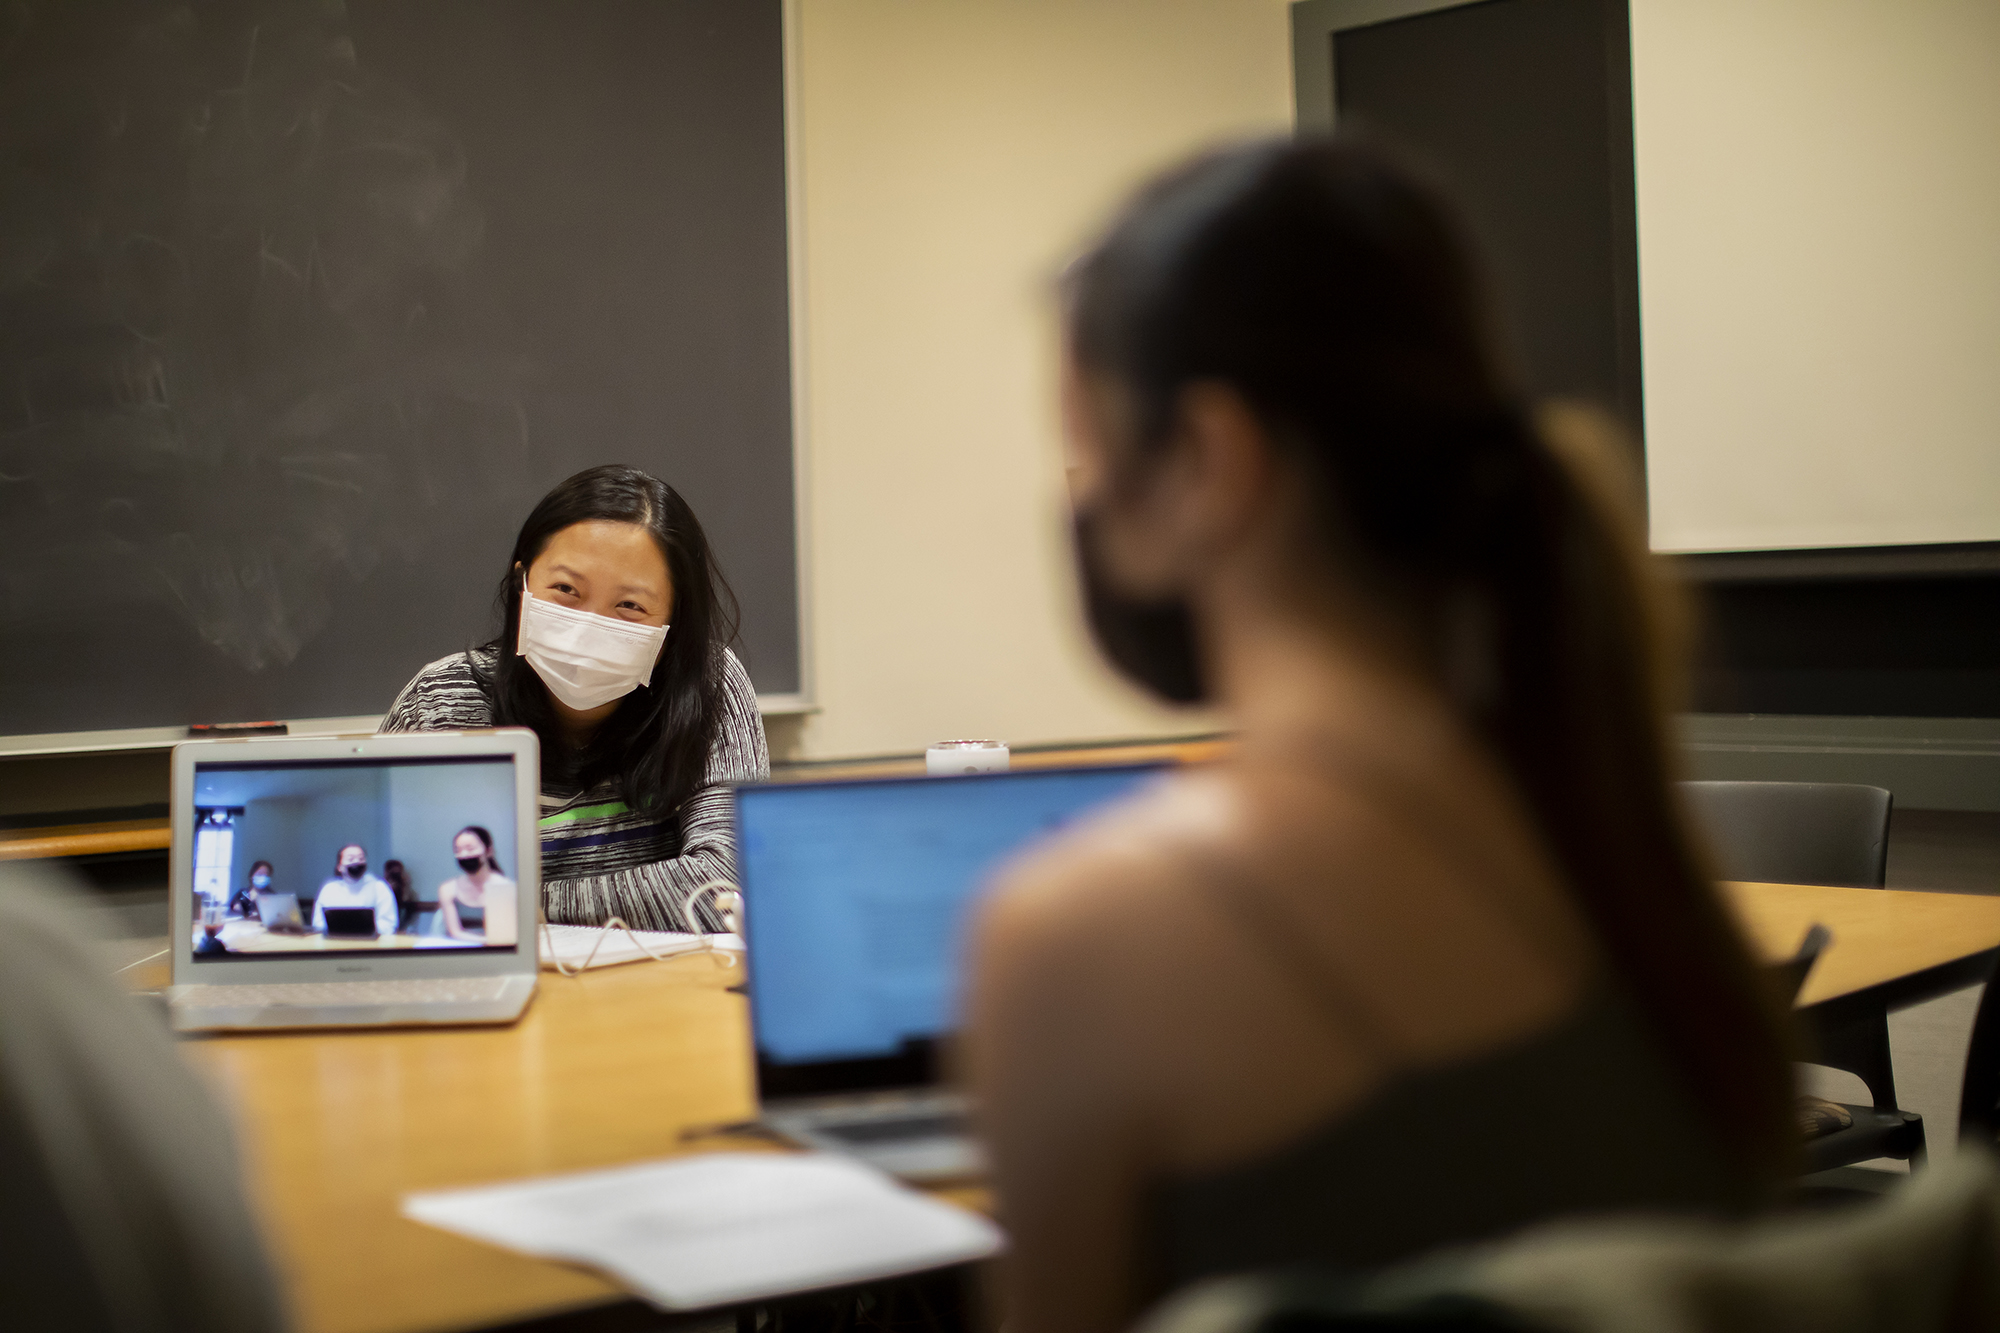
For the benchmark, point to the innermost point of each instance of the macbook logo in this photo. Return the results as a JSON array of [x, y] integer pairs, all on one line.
[[344, 968]]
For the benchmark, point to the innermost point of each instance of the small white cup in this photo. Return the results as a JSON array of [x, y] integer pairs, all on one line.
[[952, 758]]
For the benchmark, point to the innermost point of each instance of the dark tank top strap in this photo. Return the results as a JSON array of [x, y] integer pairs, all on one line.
[[1234, 894]]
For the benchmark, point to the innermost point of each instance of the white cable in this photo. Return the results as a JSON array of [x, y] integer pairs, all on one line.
[[703, 943], [147, 959], [717, 886]]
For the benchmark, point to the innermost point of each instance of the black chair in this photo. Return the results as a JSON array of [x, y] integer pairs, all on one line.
[[1794, 832], [1979, 1103], [1820, 833]]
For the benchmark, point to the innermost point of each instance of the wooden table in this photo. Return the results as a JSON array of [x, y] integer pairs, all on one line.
[[1901, 946], [94, 839], [606, 1068], [1891, 948], [615, 1065]]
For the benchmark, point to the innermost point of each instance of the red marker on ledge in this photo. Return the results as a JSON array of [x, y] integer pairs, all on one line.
[[225, 730]]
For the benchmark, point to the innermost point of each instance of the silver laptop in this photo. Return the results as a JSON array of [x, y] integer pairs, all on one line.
[[328, 945], [856, 895], [280, 912]]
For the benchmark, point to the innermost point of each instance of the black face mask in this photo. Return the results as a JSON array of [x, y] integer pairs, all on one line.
[[471, 864], [1151, 642], [356, 870]]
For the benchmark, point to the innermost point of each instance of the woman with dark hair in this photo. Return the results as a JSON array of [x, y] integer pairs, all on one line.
[[397, 876], [243, 902], [1432, 954], [477, 905], [613, 647]]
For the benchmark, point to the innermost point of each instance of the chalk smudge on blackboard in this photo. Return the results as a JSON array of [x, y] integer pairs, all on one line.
[[240, 359]]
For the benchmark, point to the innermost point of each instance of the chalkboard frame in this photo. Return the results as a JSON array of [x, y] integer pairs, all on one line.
[[803, 700]]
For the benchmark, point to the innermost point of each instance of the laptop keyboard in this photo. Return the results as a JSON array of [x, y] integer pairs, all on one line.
[[933, 1126], [331, 994]]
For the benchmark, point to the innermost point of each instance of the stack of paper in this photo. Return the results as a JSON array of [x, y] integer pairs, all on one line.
[[576, 947], [720, 1229]]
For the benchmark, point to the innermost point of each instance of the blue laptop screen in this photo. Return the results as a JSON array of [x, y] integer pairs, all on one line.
[[857, 896]]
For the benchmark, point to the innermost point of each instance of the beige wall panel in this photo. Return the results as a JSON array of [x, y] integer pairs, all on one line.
[[954, 154]]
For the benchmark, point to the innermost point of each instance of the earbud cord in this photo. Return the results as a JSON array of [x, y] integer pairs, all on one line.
[[704, 942]]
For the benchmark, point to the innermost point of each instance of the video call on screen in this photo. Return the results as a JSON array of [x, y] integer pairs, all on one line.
[[858, 898], [311, 859]]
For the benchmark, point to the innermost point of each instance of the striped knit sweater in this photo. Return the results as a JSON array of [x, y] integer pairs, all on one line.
[[601, 858]]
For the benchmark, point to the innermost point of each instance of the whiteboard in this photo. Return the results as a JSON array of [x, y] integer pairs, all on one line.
[[1818, 183]]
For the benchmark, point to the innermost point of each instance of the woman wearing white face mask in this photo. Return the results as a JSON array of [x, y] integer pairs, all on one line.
[[613, 648]]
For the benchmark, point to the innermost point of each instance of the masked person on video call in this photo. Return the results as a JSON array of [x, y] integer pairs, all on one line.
[[478, 904], [353, 886], [243, 902], [1430, 954], [613, 646]]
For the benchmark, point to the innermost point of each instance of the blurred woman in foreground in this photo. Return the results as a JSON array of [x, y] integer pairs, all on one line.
[[1430, 956]]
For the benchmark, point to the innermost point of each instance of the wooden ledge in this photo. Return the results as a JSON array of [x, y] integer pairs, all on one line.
[[148, 835], [124, 835], [1187, 751]]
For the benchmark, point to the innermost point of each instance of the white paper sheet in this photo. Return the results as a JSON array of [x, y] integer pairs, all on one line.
[[573, 944], [722, 1228]]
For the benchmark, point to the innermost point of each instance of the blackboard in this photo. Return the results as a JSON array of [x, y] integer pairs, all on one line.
[[304, 303], [1524, 109]]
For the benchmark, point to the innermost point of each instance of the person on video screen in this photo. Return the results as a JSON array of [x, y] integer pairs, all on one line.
[[353, 886], [613, 646], [397, 877], [477, 905], [243, 902]]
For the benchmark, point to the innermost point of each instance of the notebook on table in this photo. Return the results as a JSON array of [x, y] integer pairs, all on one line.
[[298, 804], [857, 895]]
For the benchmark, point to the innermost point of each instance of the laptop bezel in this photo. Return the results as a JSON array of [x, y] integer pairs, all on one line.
[[911, 1069], [516, 743]]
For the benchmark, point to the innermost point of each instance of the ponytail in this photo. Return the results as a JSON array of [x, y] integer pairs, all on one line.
[[1334, 293]]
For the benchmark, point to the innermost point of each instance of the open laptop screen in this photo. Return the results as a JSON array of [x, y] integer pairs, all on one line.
[[358, 856], [857, 896]]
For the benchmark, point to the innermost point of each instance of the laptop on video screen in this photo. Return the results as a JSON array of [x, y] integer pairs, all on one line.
[[857, 896], [360, 880]]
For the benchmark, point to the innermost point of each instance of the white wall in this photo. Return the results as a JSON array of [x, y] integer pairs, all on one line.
[[1818, 184], [953, 156], [427, 804]]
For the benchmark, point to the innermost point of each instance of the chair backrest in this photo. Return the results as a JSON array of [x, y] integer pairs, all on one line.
[[1794, 832]]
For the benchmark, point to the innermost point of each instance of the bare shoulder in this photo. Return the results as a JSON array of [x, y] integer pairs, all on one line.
[[1118, 860], [1170, 883], [1146, 857]]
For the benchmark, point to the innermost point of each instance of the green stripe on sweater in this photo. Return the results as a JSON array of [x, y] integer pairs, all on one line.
[[608, 810]]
